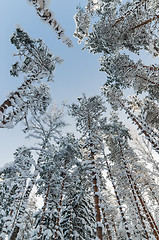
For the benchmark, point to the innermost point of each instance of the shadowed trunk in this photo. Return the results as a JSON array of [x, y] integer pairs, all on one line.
[[95, 192], [134, 195], [118, 201], [60, 204], [44, 208], [145, 22], [145, 209], [106, 225], [128, 13], [138, 122]]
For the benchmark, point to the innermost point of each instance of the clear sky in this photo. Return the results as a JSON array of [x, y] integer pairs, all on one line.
[[78, 74]]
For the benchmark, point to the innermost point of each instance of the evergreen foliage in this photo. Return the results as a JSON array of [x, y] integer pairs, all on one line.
[[102, 185]]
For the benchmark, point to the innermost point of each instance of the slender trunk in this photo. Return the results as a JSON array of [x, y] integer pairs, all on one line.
[[115, 230], [145, 22], [107, 225], [148, 80], [46, 15], [44, 208], [128, 13], [60, 204], [95, 191], [71, 226], [96, 200], [138, 122], [118, 201], [147, 212], [134, 194], [26, 196], [8, 102]]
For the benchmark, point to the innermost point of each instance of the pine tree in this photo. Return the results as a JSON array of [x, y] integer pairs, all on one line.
[[88, 114], [14, 181], [36, 63], [46, 130], [120, 150], [43, 11]]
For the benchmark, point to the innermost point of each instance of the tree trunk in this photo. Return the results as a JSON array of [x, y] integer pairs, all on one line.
[[96, 201], [8, 102], [27, 193], [128, 13], [147, 213], [14, 233], [145, 22], [115, 230], [118, 201], [44, 208], [71, 226], [134, 194], [107, 225], [46, 15], [60, 204], [138, 122], [95, 190]]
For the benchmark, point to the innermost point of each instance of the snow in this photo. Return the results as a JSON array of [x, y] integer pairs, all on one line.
[[48, 233], [9, 125], [1, 116], [47, 3]]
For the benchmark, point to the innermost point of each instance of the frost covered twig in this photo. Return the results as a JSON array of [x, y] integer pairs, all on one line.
[[46, 15]]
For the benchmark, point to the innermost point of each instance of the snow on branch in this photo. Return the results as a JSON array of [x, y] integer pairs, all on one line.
[[47, 15], [36, 63]]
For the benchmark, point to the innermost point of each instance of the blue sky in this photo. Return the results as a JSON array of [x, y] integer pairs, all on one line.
[[78, 74]]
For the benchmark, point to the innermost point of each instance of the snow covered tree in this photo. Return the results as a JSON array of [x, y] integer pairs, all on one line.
[[45, 129], [28, 224], [131, 25], [114, 97], [88, 114], [124, 73], [36, 63], [127, 163], [128, 26], [43, 11], [13, 184]]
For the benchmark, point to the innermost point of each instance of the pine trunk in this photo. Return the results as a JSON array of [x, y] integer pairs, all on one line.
[[134, 194], [118, 201], [145, 22], [96, 202], [115, 230], [95, 190], [147, 212], [60, 205], [8, 102], [128, 13], [44, 209], [151, 138], [26, 196], [107, 225]]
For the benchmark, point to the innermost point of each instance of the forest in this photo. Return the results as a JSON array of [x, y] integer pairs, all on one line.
[[100, 182]]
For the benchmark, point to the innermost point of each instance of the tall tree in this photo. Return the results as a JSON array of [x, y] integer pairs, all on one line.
[[117, 141], [43, 11], [88, 113], [36, 63], [13, 184]]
